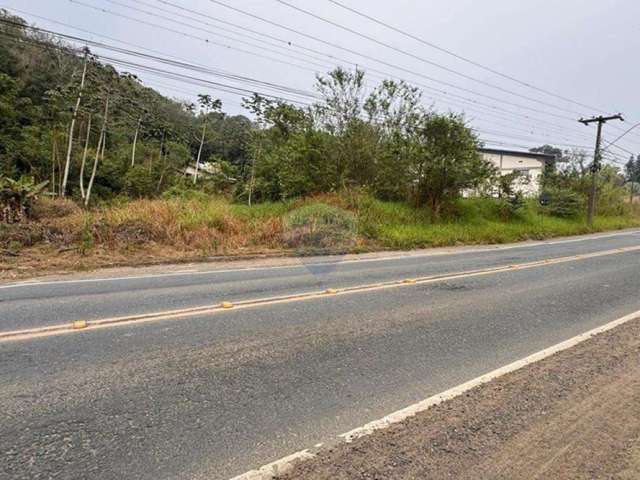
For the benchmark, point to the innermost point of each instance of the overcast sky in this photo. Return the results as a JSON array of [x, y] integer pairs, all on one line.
[[584, 50]]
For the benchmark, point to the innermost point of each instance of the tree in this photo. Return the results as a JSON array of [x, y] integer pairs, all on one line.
[[632, 175], [278, 122], [342, 94], [84, 157], [99, 150], [550, 168], [207, 105], [67, 163], [446, 162]]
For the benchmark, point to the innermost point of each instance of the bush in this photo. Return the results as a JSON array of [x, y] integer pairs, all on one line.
[[512, 206], [21, 235], [561, 203], [139, 182], [184, 192], [49, 208], [611, 200], [320, 225]]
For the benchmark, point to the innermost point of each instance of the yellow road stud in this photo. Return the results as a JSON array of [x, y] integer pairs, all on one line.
[[226, 305], [331, 291], [409, 281], [79, 324]]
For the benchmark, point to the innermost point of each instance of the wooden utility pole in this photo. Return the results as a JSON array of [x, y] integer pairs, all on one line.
[[596, 166]]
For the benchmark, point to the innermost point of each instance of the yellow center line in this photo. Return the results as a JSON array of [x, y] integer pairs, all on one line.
[[83, 325]]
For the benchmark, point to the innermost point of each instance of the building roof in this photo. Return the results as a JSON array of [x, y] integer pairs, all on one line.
[[516, 153]]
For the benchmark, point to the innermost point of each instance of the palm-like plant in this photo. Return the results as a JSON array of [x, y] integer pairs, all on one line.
[[17, 197]]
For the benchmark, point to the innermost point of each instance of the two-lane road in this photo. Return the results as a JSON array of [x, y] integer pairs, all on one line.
[[211, 396]]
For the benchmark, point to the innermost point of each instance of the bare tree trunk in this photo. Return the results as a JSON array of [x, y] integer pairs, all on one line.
[[71, 128], [104, 142], [94, 170], [162, 172], [84, 157], [164, 134], [135, 141], [204, 131], [53, 165], [252, 179], [101, 142], [57, 156]]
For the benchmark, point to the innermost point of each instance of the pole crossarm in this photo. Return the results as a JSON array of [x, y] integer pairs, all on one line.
[[601, 119]]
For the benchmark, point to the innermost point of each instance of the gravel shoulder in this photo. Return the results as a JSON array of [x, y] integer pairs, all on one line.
[[575, 415]]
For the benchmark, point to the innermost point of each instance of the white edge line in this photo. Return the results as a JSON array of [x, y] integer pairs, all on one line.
[[404, 256], [269, 471]]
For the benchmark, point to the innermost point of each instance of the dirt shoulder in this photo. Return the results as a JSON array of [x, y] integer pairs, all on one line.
[[51, 264], [575, 415]]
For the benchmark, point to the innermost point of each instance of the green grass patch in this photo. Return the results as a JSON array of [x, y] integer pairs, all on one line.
[[478, 221], [198, 224]]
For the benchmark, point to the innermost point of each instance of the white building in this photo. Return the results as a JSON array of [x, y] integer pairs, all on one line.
[[530, 165], [205, 169]]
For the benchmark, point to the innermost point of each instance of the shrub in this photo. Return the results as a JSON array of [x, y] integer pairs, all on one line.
[[24, 235], [185, 192], [46, 208], [139, 182], [512, 206], [611, 200], [561, 203], [319, 225]]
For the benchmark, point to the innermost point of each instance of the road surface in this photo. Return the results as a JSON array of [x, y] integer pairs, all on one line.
[[214, 395]]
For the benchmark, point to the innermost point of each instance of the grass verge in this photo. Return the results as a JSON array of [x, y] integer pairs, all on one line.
[[64, 237]]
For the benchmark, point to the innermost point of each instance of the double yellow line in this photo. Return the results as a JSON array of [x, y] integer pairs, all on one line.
[[82, 325]]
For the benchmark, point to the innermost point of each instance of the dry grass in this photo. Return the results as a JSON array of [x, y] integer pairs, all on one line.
[[63, 237]]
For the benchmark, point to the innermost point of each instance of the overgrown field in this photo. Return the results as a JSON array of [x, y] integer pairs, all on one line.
[[63, 237]]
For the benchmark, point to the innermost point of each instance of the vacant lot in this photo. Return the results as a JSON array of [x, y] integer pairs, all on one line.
[[62, 237]]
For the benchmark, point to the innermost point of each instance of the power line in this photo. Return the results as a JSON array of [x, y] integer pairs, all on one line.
[[463, 99], [157, 71], [613, 143], [281, 44], [172, 30], [178, 22], [221, 87], [322, 53], [384, 75], [180, 64], [382, 62], [205, 40], [306, 35], [230, 89], [460, 57], [422, 59], [397, 67]]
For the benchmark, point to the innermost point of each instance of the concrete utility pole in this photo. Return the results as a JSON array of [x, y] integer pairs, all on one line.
[[596, 166]]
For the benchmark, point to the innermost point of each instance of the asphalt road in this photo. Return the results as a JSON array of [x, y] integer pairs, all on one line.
[[212, 396]]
